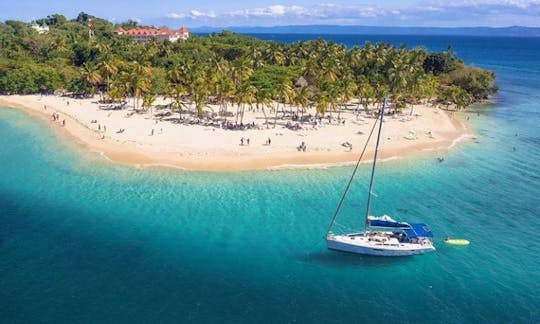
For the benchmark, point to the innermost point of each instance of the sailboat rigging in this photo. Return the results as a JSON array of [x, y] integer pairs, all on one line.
[[382, 236]]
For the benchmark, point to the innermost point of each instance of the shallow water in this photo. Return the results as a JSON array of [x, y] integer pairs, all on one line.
[[84, 240]]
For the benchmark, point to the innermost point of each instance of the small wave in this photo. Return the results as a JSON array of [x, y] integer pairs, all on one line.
[[317, 166], [322, 166], [460, 139]]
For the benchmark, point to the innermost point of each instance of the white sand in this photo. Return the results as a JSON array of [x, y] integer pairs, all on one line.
[[197, 147]]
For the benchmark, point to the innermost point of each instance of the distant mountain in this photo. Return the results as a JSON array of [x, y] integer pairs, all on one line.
[[516, 31]]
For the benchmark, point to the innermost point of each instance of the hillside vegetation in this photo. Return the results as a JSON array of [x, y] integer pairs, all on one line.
[[227, 68]]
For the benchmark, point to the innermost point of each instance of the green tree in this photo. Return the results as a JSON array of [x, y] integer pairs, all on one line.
[[284, 91]]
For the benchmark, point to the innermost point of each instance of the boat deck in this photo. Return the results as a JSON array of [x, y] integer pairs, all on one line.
[[378, 243]]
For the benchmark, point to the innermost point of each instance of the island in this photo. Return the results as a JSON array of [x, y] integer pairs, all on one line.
[[150, 96]]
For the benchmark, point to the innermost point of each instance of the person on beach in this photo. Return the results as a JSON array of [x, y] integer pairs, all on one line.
[[152, 133], [247, 141], [242, 141], [64, 122], [268, 141]]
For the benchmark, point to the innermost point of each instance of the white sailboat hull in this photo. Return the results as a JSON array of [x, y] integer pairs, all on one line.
[[362, 244]]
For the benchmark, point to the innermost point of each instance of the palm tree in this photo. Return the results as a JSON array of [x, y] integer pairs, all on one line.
[[301, 99], [139, 86], [199, 96], [428, 86], [148, 100], [176, 92], [102, 48], [456, 95], [398, 73], [284, 91], [175, 88], [245, 94], [107, 69], [119, 87], [224, 90], [240, 70], [330, 69], [364, 92], [255, 58], [198, 90], [150, 50], [139, 81], [60, 44], [263, 97], [274, 54], [354, 56], [321, 102], [347, 90], [91, 76]]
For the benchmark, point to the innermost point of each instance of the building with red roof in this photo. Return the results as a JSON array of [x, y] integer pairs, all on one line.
[[144, 34]]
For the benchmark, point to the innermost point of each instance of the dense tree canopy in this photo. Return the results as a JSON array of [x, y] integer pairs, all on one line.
[[226, 67]]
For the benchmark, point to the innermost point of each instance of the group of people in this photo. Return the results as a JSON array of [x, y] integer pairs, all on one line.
[[302, 147], [235, 126], [56, 117], [94, 121], [246, 140], [347, 145], [292, 126]]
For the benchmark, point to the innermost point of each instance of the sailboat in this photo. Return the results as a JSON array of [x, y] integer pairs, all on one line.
[[381, 236]]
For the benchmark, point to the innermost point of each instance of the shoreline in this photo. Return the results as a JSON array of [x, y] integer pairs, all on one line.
[[200, 148]]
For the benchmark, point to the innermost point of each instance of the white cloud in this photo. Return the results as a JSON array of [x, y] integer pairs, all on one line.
[[193, 14], [198, 14], [432, 12], [277, 10], [271, 11], [174, 15]]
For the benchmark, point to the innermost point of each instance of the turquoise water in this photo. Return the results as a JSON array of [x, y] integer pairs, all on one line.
[[83, 240]]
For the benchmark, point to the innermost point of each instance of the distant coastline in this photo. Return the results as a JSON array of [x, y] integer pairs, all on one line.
[[512, 31]]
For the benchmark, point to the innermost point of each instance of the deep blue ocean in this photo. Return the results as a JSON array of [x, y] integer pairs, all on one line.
[[84, 240]]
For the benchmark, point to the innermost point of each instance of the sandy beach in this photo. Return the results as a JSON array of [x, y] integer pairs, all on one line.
[[159, 138]]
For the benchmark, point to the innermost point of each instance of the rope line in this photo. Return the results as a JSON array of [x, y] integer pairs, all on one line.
[[347, 187]]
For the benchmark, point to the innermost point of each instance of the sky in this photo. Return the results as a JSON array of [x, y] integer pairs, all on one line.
[[174, 13]]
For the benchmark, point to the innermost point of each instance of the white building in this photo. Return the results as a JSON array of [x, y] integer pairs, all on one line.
[[43, 29]]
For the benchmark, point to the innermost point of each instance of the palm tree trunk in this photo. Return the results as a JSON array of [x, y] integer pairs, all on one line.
[[275, 116], [265, 116]]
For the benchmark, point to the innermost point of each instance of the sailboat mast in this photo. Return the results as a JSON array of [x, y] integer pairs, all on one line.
[[368, 205]]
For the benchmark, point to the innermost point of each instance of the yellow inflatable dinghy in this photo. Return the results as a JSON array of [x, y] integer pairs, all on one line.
[[456, 241]]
